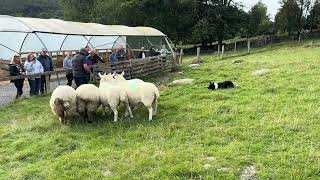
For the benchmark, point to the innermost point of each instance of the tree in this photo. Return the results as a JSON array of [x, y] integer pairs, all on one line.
[[258, 20], [292, 16], [217, 19], [313, 19], [77, 10]]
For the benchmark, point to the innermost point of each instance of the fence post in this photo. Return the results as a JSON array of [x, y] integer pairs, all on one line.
[[235, 46], [181, 54], [265, 41], [258, 41], [47, 83], [218, 49], [248, 46], [222, 51], [198, 54]]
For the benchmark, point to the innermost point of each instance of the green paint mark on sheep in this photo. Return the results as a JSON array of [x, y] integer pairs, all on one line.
[[133, 85]]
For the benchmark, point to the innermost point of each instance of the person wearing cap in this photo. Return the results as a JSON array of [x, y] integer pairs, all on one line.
[[67, 65], [47, 64], [81, 70], [112, 56]]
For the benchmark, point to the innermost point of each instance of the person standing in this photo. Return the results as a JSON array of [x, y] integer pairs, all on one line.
[[121, 54], [81, 70], [113, 56], [47, 64], [33, 66], [67, 65], [164, 51], [142, 54], [16, 69], [93, 58]]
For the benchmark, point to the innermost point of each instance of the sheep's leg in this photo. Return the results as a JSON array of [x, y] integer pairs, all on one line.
[[150, 112], [104, 108], [155, 106], [128, 111], [91, 116], [115, 112]]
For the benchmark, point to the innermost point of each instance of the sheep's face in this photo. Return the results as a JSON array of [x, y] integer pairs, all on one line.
[[106, 78]]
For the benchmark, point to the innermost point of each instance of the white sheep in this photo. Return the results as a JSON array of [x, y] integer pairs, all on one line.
[[140, 92], [87, 101], [63, 102], [112, 95]]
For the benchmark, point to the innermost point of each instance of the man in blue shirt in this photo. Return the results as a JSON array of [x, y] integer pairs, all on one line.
[[113, 56]]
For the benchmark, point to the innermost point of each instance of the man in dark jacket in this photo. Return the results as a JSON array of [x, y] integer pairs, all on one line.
[[47, 64], [81, 70]]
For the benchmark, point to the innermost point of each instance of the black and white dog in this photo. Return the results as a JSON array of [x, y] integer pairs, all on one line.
[[222, 85]]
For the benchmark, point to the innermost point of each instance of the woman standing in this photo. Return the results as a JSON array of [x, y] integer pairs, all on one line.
[[33, 66], [16, 69]]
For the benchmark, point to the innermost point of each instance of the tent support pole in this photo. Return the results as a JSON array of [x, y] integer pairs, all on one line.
[[63, 42], [9, 48], [24, 39]]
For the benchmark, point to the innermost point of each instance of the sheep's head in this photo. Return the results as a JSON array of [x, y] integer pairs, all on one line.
[[119, 77], [106, 78]]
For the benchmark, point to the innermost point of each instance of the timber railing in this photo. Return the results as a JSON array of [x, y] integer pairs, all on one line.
[[136, 68], [133, 68]]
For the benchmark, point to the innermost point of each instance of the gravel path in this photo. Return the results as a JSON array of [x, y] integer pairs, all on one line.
[[8, 91]]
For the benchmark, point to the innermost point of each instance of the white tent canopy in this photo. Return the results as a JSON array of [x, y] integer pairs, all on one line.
[[21, 35]]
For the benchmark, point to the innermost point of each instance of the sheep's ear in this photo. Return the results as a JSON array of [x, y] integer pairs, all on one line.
[[122, 74], [114, 73], [99, 74], [105, 73]]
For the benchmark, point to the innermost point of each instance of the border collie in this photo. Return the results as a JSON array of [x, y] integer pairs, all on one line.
[[222, 85]]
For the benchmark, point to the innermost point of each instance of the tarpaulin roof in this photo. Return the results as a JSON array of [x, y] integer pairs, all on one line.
[[57, 26]]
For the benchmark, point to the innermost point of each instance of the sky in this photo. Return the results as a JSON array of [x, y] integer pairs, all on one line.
[[273, 5]]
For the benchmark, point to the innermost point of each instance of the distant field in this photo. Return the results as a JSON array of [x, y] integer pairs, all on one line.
[[269, 122]]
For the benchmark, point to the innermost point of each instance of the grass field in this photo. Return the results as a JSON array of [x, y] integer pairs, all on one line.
[[269, 122]]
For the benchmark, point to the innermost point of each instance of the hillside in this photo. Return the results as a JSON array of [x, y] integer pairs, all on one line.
[[31, 8], [268, 122]]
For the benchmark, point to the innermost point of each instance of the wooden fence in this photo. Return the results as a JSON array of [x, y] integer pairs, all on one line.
[[134, 68]]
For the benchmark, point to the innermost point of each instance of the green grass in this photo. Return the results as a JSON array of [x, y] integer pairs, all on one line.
[[271, 122]]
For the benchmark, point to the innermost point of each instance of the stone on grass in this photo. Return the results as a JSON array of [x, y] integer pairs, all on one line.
[[237, 61], [181, 72], [206, 166], [211, 158], [248, 173], [194, 65], [182, 81], [224, 169], [262, 72], [107, 172]]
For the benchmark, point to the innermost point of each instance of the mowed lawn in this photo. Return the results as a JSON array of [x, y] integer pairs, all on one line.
[[269, 122]]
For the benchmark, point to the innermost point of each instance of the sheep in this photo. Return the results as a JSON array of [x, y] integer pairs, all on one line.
[[140, 92], [87, 101], [112, 95], [63, 102]]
